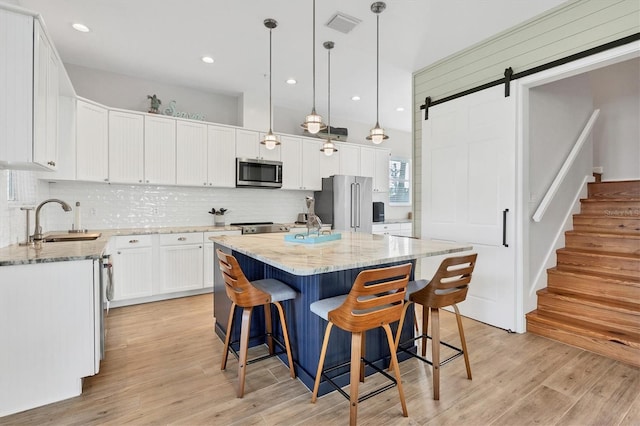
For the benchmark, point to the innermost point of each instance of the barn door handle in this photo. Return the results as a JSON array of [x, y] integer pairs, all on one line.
[[504, 227]]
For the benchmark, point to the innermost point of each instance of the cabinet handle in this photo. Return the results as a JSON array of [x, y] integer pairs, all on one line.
[[182, 238], [140, 180], [106, 179], [51, 163], [147, 180], [504, 227], [134, 241], [205, 183], [119, 252]]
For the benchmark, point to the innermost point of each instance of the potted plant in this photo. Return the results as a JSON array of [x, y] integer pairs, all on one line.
[[218, 216]]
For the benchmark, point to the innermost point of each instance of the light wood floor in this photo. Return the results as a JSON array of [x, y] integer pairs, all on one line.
[[163, 367]]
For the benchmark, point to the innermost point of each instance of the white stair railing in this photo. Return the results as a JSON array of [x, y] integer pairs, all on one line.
[[564, 170]]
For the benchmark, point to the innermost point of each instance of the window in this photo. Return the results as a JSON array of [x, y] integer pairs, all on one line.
[[21, 187], [400, 182]]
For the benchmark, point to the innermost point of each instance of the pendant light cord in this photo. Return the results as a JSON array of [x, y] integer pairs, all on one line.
[[329, 94], [377, 68], [270, 102], [314, 56]]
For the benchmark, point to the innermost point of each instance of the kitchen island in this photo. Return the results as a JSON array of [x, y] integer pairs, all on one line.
[[317, 271]]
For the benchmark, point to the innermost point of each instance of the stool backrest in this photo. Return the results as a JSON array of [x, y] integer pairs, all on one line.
[[376, 298], [238, 287], [450, 283]]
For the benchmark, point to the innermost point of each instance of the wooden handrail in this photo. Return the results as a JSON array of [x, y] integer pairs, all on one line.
[[564, 170]]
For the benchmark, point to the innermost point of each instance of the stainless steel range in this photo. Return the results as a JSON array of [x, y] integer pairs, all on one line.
[[261, 227]]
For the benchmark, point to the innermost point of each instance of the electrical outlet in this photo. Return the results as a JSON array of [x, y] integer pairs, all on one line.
[[92, 211], [154, 211]]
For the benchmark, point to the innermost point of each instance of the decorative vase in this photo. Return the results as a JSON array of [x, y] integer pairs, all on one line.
[[218, 220]]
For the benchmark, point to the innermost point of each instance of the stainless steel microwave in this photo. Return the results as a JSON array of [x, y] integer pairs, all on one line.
[[251, 172]]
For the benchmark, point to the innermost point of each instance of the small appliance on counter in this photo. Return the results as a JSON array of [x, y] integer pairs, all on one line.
[[378, 211], [302, 219]]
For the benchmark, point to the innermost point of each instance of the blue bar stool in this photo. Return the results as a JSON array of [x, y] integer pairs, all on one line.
[[448, 287], [247, 295], [375, 300]]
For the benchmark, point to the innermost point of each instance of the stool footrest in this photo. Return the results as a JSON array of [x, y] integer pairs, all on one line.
[[262, 357], [459, 352], [368, 394]]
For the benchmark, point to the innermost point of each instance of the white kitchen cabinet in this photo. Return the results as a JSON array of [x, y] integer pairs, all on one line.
[[133, 266], [221, 148], [210, 260], [45, 103], [48, 313], [300, 163], [181, 261], [329, 165], [248, 146], [92, 144], [28, 94], [126, 147], [159, 150], [349, 156], [367, 162], [191, 153], [403, 229], [374, 163]]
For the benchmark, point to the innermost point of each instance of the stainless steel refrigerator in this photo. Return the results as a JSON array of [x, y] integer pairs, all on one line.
[[346, 202]]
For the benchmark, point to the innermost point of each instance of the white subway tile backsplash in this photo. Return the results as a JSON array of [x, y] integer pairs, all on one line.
[[112, 206]]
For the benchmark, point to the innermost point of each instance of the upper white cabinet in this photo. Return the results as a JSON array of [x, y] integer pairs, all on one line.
[[159, 150], [191, 153], [221, 156], [300, 163], [92, 145], [248, 146], [126, 147], [330, 165], [349, 159], [28, 95], [374, 163]]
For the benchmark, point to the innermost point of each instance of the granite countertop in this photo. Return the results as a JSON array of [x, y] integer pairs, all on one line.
[[81, 250], [353, 250]]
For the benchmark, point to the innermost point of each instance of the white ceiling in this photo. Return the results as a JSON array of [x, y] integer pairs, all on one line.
[[163, 41]]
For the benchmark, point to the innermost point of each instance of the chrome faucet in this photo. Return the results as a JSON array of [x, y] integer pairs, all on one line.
[[37, 236]]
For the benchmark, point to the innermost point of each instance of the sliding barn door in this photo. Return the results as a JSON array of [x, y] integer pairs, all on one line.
[[468, 193]]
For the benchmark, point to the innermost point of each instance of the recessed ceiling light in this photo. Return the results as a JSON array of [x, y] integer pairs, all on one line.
[[207, 59], [399, 109], [355, 98], [291, 81], [80, 27]]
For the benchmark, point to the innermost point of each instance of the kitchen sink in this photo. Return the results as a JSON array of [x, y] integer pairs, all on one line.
[[72, 236]]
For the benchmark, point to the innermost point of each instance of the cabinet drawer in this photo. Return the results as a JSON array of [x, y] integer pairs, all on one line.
[[209, 234], [181, 238], [133, 241], [385, 227]]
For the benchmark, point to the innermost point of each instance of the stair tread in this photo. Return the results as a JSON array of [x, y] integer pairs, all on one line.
[[607, 200], [598, 275], [609, 234], [600, 302], [584, 327], [597, 253]]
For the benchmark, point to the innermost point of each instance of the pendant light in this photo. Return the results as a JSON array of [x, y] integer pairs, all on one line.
[[329, 147], [313, 122], [377, 133], [270, 140]]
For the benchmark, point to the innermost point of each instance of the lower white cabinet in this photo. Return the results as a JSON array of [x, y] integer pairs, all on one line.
[[48, 315], [132, 261], [402, 229], [180, 262], [210, 261]]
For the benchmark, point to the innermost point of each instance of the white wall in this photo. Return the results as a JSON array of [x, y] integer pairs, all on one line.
[[616, 92], [126, 92]]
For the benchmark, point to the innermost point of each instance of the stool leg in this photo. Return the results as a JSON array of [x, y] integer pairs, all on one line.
[[435, 351], [354, 382], [401, 323], [396, 368], [425, 329], [363, 352], [268, 326], [323, 353], [463, 342], [244, 347], [227, 338], [285, 333]]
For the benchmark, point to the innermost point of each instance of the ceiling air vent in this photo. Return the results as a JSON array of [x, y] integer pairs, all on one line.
[[343, 23]]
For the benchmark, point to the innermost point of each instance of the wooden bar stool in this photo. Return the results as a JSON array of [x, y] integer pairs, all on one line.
[[247, 295], [375, 300], [448, 287]]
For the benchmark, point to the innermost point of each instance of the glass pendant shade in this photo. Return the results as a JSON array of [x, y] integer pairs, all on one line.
[[329, 148], [270, 140], [377, 135], [313, 122]]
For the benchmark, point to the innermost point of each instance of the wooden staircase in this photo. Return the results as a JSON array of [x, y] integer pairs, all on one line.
[[592, 299]]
